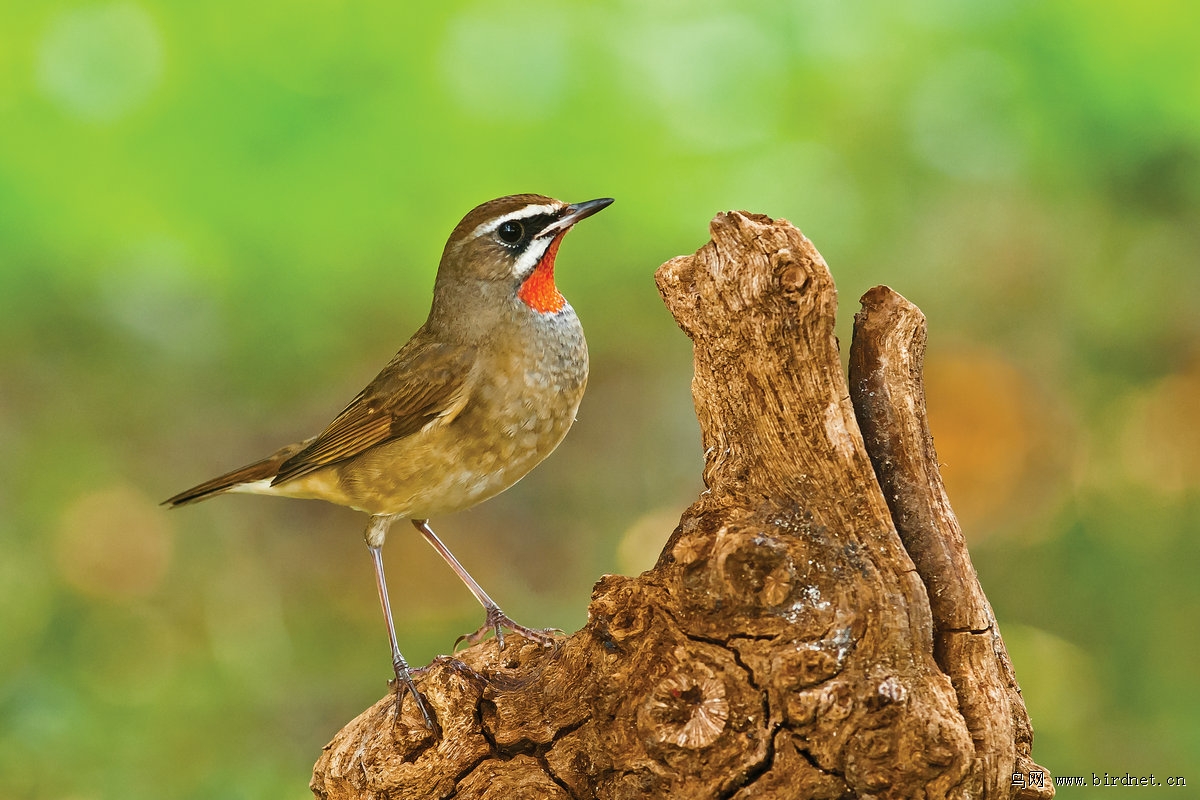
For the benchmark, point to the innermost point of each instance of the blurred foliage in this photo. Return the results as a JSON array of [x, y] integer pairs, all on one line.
[[217, 220]]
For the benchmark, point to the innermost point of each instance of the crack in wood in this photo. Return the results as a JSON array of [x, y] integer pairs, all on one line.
[[784, 591]]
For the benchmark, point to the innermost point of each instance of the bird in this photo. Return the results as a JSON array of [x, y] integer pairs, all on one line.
[[484, 391]]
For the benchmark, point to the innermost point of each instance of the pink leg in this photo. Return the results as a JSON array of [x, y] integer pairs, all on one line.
[[376, 532], [495, 619]]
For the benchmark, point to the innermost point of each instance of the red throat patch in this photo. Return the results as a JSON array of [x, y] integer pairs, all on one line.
[[538, 290]]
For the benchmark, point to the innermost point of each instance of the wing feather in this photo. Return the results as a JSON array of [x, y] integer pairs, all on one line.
[[424, 383]]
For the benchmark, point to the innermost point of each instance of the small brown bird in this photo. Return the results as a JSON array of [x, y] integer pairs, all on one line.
[[479, 395]]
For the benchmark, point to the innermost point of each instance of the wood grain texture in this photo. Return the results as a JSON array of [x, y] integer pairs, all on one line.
[[886, 361], [783, 646]]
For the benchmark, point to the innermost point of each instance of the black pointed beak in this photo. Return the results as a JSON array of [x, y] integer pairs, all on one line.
[[573, 213]]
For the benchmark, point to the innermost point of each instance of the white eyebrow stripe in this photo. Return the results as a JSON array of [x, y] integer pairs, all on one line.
[[521, 213]]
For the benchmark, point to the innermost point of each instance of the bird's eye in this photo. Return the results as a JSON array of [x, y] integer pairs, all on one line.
[[510, 232]]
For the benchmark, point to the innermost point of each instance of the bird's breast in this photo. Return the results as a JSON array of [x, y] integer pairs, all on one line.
[[528, 385], [528, 395]]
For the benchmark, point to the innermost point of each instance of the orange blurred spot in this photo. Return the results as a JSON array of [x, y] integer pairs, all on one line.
[[113, 544], [985, 430], [1160, 443]]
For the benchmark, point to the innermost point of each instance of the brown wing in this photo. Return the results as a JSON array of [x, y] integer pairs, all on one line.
[[424, 382]]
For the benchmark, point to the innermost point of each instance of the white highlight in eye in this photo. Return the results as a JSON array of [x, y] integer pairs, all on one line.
[[521, 213]]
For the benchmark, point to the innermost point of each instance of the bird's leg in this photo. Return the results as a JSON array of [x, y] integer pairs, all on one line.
[[376, 533], [495, 619]]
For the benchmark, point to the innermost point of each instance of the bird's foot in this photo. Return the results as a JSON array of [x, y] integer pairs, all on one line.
[[403, 683], [497, 622]]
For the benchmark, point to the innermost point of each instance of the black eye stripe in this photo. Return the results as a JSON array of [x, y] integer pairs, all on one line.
[[513, 232], [539, 221]]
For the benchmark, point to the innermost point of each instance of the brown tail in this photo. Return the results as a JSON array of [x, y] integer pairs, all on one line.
[[259, 470]]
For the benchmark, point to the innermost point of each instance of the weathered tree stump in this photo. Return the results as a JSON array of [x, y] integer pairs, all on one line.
[[789, 643]]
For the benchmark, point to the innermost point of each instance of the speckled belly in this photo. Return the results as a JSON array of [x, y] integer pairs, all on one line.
[[518, 413]]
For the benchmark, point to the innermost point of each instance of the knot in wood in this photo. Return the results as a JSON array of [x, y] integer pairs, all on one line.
[[830, 702], [755, 569], [690, 550], [687, 709], [835, 701], [617, 612], [810, 663], [791, 273]]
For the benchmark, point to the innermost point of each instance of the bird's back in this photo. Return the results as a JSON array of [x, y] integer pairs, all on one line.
[[519, 401]]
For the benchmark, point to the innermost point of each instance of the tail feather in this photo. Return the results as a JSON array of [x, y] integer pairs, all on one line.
[[260, 470]]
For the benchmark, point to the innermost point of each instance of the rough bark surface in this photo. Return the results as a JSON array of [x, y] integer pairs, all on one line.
[[886, 359], [784, 645]]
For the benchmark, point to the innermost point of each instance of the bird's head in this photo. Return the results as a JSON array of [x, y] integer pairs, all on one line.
[[504, 250]]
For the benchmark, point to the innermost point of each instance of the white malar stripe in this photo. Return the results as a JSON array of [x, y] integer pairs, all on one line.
[[529, 259], [520, 213]]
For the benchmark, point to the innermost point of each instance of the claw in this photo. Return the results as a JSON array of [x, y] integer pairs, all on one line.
[[400, 687], [497, 622]]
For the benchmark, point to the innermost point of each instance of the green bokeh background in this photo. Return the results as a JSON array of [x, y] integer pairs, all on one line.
[[217, 220]]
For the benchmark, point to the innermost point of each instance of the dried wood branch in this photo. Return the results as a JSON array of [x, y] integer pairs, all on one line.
[[886, 361], [784, 644]]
